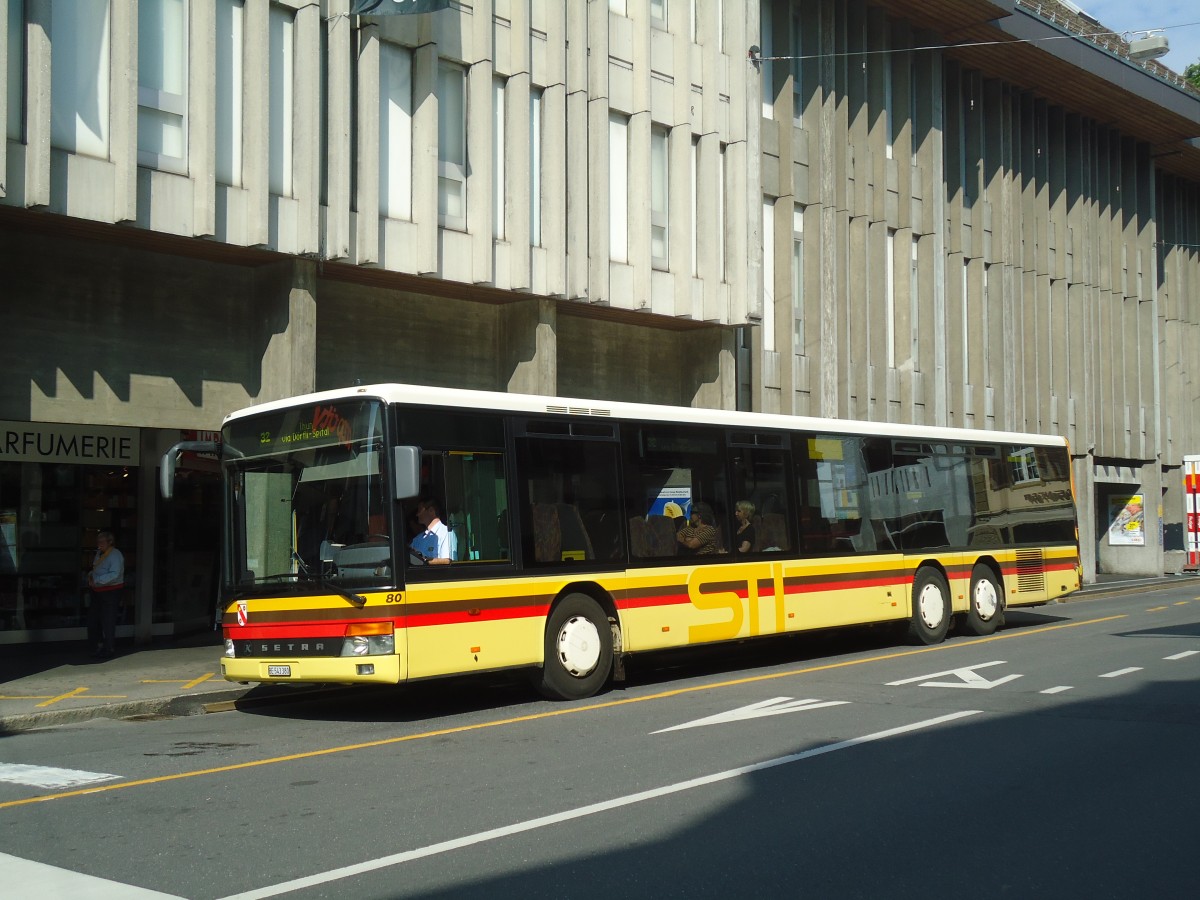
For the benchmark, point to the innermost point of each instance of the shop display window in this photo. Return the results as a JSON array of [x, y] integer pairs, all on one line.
[[50, 514]]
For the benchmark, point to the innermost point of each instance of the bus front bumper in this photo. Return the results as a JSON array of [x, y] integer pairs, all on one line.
[[314, 670]]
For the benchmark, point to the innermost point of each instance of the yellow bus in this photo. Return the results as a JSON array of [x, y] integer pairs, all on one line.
[[400, 532]]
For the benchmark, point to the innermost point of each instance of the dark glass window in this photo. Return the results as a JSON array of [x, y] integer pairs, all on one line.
[[671, 471], [760, 488], [847, 496], [569, 499]]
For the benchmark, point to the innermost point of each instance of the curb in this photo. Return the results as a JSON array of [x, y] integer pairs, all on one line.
[[194, 704], [186, 705]]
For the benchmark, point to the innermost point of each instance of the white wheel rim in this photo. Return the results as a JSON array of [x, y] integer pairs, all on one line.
[[931, 606], [578, 646], [986, 600]]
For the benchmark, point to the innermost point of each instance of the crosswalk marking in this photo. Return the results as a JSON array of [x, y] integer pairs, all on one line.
[[33, 879], [48, 776]]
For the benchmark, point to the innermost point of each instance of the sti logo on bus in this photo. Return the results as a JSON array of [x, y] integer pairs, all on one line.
[[735, 590]]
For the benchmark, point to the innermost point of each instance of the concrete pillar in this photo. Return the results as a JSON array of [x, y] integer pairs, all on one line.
[[289, 364], [527, 351], [1085, 499], [147, 504]]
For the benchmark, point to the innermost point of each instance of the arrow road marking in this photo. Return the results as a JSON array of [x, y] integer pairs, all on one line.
[[968, 678], [773, 707]]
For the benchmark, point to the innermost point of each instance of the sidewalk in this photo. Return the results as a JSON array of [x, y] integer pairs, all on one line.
[[53, 684]]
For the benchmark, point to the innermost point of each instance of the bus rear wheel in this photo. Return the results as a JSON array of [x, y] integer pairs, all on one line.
[[930, 607], [579, 650], [985, 612]]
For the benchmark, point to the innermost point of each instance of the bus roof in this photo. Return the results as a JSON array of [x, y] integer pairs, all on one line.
[[533, 404]]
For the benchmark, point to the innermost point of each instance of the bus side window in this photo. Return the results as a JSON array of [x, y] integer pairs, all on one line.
[[569, 500], [476, 495]]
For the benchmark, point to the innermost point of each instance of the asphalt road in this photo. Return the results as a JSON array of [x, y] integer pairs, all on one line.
[[1056, 759]]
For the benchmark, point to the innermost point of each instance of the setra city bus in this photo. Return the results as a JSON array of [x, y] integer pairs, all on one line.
[[577, 533]]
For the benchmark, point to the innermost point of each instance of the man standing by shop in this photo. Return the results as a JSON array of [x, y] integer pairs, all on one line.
[[106, 581]]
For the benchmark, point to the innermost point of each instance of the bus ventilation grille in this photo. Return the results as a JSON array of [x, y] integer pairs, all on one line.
[[1031, 575], [579, 411]]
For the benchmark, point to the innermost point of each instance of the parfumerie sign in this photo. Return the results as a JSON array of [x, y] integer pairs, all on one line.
[[48, 442]]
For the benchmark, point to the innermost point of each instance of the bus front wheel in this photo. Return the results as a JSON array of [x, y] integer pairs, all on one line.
[[930, 607], [579, 650], [986, 611]]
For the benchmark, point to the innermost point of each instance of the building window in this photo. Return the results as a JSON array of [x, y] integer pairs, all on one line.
[[1023, 465], [395, 131], [797, 71], [618, 187], [766, 39], [890, 296], [16, 70], [768, 240], [914, 304], [721, 187], [535, 167], [798, 277], [230, 41], [659, 182], [452, 146], [282, 72], [162, 84], [966, 323], [658, 14], [498, 163], [695, 208], [79, 76], [886, 61]]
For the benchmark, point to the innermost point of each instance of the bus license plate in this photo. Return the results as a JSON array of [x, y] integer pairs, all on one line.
[[279, 671]]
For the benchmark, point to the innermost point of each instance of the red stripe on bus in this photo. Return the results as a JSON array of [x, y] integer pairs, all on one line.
[[462, 616], [645, 602], [295, 629]]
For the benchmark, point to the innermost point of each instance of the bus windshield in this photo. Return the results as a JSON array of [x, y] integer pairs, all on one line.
[[308, 498]]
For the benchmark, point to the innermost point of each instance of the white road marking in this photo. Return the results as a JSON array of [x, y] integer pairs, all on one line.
[[773, 707], [1120, 672], [471, 840], [25, 878], [49, 777], [1056, 690], [1182, 655], [968, 678]]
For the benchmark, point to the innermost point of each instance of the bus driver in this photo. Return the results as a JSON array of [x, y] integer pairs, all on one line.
[[436, 544]]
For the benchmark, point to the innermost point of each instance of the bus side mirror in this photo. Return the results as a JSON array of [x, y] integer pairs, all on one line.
[[166, 474], [406, 463]]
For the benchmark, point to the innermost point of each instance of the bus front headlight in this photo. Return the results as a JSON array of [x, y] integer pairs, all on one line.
[[369, 639]]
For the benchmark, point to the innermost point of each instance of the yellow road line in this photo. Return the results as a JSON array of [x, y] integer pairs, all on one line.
[[1156, 609], [534, 717], [76, 692], [186, 684]]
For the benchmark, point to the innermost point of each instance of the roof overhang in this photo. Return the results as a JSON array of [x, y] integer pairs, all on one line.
[[1081, 77]]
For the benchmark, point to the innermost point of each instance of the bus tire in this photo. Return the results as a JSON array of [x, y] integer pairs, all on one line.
[[985, 612], [579, 650], [930, 607]]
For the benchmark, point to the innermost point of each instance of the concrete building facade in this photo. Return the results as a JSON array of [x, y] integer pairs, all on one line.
[[898, 211]]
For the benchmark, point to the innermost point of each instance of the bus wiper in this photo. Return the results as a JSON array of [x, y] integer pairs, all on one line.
[[356, 599]]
